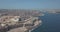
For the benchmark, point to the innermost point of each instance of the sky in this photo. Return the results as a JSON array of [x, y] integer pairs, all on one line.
[[29, 4]]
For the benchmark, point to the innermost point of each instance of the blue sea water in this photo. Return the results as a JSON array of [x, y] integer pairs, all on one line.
[[50, 23]]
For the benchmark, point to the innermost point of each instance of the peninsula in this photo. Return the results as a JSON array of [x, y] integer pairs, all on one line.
[[19, 21]]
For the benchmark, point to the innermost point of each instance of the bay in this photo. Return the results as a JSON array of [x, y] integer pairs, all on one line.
[[50, 23]]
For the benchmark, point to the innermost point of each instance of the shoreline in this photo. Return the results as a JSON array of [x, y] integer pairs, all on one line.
[[36, 26]]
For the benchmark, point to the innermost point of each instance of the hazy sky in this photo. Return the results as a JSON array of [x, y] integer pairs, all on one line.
[[29, 4]]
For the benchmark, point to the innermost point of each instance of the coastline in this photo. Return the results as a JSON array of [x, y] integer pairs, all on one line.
[[27, 25], [40, 23]]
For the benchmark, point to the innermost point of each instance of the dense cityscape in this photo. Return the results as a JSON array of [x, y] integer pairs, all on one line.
[[19, 20]]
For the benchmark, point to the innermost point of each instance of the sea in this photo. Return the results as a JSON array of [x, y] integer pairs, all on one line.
[[50, 23]]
